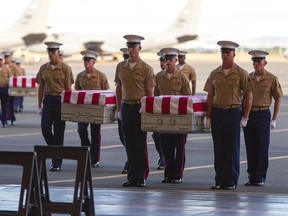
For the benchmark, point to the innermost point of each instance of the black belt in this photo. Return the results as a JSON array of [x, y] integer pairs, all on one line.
[[132, 102], [52, 94], [232, 106], [259, 108]]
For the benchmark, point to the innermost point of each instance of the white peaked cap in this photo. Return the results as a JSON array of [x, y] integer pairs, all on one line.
[[169, 51], [182, 53], [227, 44], [90, 54], [53, 45], [258, 53], [124, 50], [133, 38], [7, 53]]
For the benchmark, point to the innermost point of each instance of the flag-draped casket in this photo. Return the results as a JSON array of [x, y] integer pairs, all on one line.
[[88, 106], [23, 86], [173, 114]]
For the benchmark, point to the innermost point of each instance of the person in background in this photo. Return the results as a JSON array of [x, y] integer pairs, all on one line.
[[18, 104], [5, 73], [225, 86], [134, 79], [15, 72], [53, 78], [187, 69], [125, 55], [91, 79], [172, 82], [61, 55], [155, 135], [257, 132]]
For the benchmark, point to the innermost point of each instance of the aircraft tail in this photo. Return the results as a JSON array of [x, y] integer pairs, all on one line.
[[186, 23], [34, 18]]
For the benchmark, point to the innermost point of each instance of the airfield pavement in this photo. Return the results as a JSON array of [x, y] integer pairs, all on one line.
[[193, 196]]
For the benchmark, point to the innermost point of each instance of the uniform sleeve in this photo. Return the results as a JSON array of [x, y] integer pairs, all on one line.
[[246, 84], [150, 78], [69, 78], [105, 83], [116, 78], [38, 77], [276, 89], [156, 89], [208, 85], [77, 82], [193, 74], [185, 85]]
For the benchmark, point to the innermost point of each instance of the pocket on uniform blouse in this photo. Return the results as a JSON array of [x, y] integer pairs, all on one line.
[[59, 75]]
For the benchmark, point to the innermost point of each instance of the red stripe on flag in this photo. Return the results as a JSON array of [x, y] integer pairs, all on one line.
[[67, 96], [33, 82], [166, 105], [199, 107], [14, 80], [182, 105], [81, 96], [110, 100], [95, 98], [23, 82], [149, 104]]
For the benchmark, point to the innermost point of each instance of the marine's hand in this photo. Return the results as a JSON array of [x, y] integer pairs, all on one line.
[[119, 116], [272, 124], [207, 124], [39, 111], [243, 122]]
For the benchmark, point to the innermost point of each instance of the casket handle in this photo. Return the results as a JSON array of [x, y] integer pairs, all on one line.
[[159, 121], [76, 113], [172, 121]]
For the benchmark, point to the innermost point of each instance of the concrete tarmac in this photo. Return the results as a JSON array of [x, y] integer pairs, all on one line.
[[192, 197]]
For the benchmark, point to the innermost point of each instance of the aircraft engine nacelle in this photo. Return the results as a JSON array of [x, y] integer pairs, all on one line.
[[186, 38], [31, 39], [95, 46]]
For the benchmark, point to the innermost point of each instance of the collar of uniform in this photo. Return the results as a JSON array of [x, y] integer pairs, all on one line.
[[56, 66], [176, 73], [232, 70], [93, 74], [137, 65], [264, 76]]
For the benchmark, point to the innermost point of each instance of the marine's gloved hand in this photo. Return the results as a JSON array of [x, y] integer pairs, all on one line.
[[207, 124], [39, 111], [119, 116], [272, 124], [243, 122]]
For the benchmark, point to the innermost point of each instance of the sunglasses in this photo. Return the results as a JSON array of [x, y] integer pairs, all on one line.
[[87, 58], [52, 50], [132, 45], [257, 60], [226, 51], [169, 57]]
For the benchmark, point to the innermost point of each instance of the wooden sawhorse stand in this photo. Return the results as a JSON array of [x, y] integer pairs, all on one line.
[[83, 200], [29, 200]]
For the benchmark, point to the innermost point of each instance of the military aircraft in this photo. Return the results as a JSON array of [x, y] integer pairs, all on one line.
[[31, 30]]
